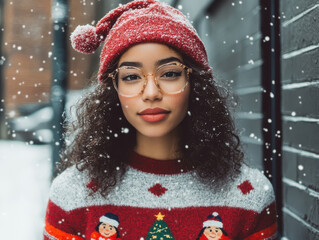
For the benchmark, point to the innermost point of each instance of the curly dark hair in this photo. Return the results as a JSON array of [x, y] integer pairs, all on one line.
[[103, 138]]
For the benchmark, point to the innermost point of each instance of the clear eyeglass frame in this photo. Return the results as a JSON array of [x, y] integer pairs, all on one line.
[[188, 71]]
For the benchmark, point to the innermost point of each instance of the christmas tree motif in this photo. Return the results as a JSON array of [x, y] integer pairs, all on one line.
[[159, 230]]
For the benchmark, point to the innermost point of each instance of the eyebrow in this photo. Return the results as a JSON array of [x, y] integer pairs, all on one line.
[[158, 63]]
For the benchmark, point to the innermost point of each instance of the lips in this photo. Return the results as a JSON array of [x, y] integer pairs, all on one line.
[[154, 114], [151, 111]]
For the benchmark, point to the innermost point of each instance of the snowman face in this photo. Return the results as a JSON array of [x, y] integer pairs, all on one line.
[[107, 230], [213, 233]]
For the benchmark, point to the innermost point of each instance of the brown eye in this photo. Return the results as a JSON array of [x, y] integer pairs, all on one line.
[[131, 78], [172, 74]]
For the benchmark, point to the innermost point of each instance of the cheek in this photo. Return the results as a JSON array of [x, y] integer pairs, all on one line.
[[127, 106], [180, 102]]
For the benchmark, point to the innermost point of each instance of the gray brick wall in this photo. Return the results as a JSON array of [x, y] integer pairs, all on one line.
[[300, 111]]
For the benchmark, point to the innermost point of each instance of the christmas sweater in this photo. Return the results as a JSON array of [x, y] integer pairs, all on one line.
[[159, 199]]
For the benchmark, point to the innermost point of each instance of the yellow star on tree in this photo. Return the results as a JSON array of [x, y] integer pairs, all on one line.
[[159, 216]]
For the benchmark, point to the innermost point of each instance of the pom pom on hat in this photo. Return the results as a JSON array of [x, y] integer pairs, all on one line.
[[87, 38], [215, 214], [84, 39]]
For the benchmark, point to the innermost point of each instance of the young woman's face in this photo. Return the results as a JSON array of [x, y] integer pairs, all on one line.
[[147, 55], [107, 230], [213, 233]]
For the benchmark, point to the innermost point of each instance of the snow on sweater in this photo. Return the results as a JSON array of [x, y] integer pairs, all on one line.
[[158, 200]]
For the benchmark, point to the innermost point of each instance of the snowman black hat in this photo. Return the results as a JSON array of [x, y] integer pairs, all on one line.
[[213, 220], [111, 219]]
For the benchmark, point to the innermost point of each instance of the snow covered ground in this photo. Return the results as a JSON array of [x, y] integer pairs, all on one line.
[[25, 172]]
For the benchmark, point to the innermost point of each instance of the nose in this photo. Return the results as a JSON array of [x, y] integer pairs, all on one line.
[[151, 90]]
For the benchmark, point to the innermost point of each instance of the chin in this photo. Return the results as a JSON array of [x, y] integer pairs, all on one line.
[[153, 133]]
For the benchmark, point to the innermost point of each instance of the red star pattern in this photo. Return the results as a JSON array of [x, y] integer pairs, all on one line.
[[245, 187], [157, 189]]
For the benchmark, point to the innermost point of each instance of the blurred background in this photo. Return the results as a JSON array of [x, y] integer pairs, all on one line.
[[265, 51]]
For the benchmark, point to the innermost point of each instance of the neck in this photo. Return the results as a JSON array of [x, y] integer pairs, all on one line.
[[160, 148]]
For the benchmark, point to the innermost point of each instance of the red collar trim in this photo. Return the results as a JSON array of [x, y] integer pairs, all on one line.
[[155, 166]]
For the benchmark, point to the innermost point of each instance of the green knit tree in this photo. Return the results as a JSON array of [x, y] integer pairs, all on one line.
[[159, 230]]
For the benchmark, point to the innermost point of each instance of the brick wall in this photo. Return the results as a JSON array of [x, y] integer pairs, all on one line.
[[27, 45], [300, 110]]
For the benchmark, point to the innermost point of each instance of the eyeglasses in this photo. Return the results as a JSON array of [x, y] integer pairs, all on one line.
[[170, 78]]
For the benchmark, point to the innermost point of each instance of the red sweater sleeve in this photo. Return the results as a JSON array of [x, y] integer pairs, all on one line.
[[266, 227], [56, 225]]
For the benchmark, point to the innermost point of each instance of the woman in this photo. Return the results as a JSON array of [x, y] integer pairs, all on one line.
[[154, 141]]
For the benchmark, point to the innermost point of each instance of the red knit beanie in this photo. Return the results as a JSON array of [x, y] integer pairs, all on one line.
[[136, 22]]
